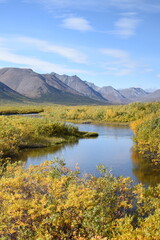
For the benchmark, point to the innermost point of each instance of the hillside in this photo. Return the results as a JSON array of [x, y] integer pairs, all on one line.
[[25, 84], [80, 86], [113, 95], [133, 93], [7, 95], [41, 88]]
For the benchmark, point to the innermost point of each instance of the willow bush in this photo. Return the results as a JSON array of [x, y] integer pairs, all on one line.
[[16, 132], [52, 202]]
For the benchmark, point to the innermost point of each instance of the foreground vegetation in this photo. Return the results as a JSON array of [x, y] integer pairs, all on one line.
[[51, 202]]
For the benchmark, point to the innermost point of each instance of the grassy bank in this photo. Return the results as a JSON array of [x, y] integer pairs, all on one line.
[[20, 109], [17, 132]]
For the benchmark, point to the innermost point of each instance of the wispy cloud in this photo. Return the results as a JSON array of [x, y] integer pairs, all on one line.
[[69, 53], [95, 5], [147, 70], [158, 76], [118, 62], [126, 26], [143, 5], [2, 40], [77, 23], [115, 53], [37, 64]]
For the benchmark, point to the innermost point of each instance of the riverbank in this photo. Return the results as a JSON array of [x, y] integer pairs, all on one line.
[[141, 117], [19, 132]]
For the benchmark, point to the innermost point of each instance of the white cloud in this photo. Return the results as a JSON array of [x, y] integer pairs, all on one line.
[[2, 40], [147, 70], [158, 76], [143, 5], [115, 53], [95, 5], [126, 27], [123, 72], [70, 53], [77, 23], [118, 62], [38, 65], [117, 69]]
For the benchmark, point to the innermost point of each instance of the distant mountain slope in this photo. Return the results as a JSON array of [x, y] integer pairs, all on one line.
[[7, 94], [113, 95], [133, 93], [53, 81], [151, 97], [122, 96], [92, 85], [42, 87], [80, 86], [24, 83]]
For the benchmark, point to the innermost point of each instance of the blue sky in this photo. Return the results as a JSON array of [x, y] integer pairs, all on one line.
[[107, 42]]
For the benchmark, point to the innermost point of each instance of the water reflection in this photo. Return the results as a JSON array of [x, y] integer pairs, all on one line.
[[145, 171], [113, 148], [36, 156]]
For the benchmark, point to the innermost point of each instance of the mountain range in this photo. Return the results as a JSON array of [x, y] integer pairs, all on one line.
[[21, 85]]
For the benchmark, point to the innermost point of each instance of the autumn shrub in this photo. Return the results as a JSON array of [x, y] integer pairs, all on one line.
[[51, 202], [119, 113], [147, 137], [19, 109], [16, 131], [56, 129]]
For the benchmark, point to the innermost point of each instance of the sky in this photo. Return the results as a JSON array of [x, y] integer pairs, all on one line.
[[107, 42]]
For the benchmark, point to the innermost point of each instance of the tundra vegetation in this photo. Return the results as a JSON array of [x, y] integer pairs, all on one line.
[[143, 118], [17, 132], [52, 202]]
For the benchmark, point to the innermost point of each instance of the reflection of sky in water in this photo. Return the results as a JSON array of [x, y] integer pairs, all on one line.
[[111, 148]]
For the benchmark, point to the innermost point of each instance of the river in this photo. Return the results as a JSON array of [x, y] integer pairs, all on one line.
[[113, 148]]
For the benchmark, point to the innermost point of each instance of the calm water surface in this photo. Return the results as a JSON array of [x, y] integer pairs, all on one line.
[[113, 148]]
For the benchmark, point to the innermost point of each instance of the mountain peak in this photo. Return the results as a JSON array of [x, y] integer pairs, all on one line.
[[63, 88]]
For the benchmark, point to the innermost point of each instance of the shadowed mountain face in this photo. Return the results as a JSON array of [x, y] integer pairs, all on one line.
[[124, 96], [53, 81], [133, 93], [43, 87], [24, 83], [113, 95], [80, 86], [7, 94], [151, 97]]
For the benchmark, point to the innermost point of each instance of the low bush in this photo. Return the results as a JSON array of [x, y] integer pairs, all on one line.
[[51, 202]]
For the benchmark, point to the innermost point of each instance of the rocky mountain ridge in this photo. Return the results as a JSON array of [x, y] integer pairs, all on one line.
[[66, 89]]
